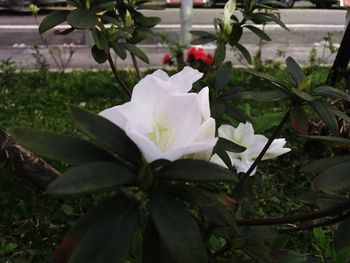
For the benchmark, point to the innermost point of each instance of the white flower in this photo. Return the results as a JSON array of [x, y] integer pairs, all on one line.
[[229, 8], [254, 143], [164, 120]]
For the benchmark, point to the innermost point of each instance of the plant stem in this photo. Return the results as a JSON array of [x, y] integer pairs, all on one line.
[[311, 226], [136, 66], [264, 150], [300, 217], [114, 70]]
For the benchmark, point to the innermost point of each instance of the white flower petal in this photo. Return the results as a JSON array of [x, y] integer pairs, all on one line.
[[206, 132], [216, 159], [160, 74], [244, 134], [184, 79], [276, 149], [242, 165], [203, 100]]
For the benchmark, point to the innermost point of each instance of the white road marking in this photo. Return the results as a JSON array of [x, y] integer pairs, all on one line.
[[176, 26]]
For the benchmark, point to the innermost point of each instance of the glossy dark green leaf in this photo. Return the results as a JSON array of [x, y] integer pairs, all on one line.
[[107, 134], [227, 145], [177, 230], [100, 40], [147, 22], [257, 31], [237, 113], [340, 114], [53, 19], [265, 96], [136, 51], [326, 115], [295, 70], [119, 50], [200, 33], [299, 119], [303, 96], [206, 201], [111, 20], [195, 171], [220, 54], [75, 3], [342, 236], [333, 141], [202, 40], [244, 52], [59, 147], [261, 18], [277, 82], [106, 233], [103, 5], [82, 18], [325, 163], [320, 199], [99, 55], [334, 180], [332, 93], [223, 75], [91, 177]]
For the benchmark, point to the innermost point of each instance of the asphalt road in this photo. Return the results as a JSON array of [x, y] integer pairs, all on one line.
[[307, 25]]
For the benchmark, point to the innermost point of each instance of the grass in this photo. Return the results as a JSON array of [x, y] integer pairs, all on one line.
[[33, 223]]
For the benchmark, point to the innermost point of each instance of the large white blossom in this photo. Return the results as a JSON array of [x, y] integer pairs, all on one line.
[[166, 121], [254, 143]]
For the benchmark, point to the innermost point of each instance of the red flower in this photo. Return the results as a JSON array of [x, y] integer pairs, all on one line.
[[209, 60], [166, 59], [199, 54]]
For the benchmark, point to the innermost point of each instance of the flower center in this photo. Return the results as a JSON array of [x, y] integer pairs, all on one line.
[[162, 136]]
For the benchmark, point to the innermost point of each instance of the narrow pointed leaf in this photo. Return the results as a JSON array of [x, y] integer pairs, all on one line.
[[177, 230], [223, 75], [119, 50], [227, 145], [100, 40], [206, 201], [237, 113], [53, 19], [136, 51], [299, 119], [104, 235], [277, 82], [220, 54], [82, 18], [333, 180], [107, 134], [257, 31], [332, 93], [195, 171], [340, 114], [59, 147], [244, 52], [323, 164], [295, 70], [326, 115], [333, 141], [91, 177], [265, 96]]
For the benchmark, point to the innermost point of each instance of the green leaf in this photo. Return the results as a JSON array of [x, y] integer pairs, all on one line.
[[295, 70], [337, 142], [237, 113], [53, 19], [136, 51], [333, 180], [223, 75], [99, 55], [267, 121], [340, 114], [206, 201], [262, 18], [277, 82], [82, 18], [203, 40], [220, 54], [103, 5], [325, 163], [227, 145], [320, 199], [91, 177], [332, 93], [299, 119], [204, 34], [257, 31], [177, 230], [100, 40], [107, 134], [59, 147], [326, 115], [302, 95], [105, 234], [265, 96], [342, 235], [147, 22], [244, 52], [195, 171], [119, 50]]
